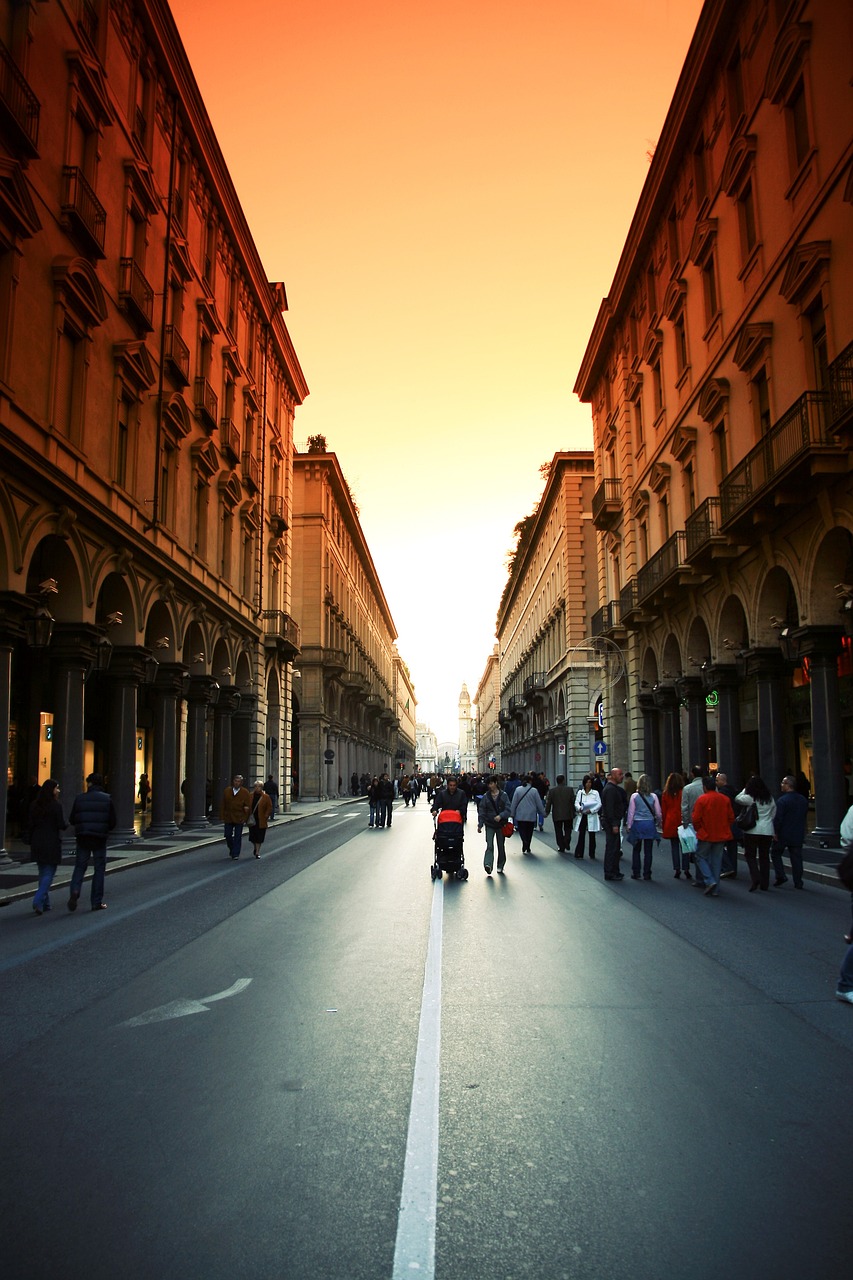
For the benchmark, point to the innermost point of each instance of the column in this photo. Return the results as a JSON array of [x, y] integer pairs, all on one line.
[[126, 672], [241, 738], [168, 688], [7, 646], [73, 654], [224, 768], [822, 646], [651, 738], [201, 693], [666, 701], [692, 693], [722, 678], [769, 667]]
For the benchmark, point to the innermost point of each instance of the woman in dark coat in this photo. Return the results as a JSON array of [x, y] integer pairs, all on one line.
[[45, 824]]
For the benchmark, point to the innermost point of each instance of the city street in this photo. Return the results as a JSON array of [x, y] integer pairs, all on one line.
[[215, 1077]]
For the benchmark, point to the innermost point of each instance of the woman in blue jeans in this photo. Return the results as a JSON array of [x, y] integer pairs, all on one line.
[[45, 823]]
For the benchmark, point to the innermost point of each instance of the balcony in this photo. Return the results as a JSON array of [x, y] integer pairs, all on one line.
[[533, 686], [136, 295], [373, 702], [631, 613], [229, 439], [334, 661], [251, 471], [777, 472], [841, 393], [504, 716], [281, 633], [705, 541], [607, 504], [177, 355], [19, 106], [606, 620], [666, 571], [206, 403], [88, 21], [516, 705], [354, 681], [276, 513], [82, 212]]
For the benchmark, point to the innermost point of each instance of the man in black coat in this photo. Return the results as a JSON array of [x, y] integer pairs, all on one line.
[[561, 806], [93, 817], [789, 826], [614, 806], [385, 796]]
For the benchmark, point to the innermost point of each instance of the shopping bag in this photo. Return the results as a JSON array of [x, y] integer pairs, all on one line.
[[687, 839]]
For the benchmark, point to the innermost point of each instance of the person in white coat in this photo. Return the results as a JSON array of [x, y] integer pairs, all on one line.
[[527, 808], [757, 841], [587, 822]]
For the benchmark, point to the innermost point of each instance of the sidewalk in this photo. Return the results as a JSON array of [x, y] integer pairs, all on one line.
[[19, 879]]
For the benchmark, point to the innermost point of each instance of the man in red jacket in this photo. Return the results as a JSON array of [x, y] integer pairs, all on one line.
[[713, 816]]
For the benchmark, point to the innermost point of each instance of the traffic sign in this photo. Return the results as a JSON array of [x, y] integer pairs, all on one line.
[[600, 749]]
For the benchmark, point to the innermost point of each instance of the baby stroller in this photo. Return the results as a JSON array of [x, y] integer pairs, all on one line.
[[449, 838]]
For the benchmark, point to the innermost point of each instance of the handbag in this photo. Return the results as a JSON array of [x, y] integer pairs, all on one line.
[[687, 839], [746, 815], [251, 821], [508, 829]]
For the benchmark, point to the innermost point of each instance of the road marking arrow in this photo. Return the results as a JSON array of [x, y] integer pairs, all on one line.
[[183, 1008]]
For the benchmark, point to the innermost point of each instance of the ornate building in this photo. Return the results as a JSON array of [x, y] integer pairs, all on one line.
[[720, 374], [426, 755], [488, 703], [467, 733], [147, 393], [353, 703], [551, 679]]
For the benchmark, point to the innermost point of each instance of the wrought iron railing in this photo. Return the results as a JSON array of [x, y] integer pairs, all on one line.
[[841, 385], [662, 565], [135, 290], [797, 431], [608, 495], [80, 202], [206, 401], [702, 525], [18, 98], [605, 619]]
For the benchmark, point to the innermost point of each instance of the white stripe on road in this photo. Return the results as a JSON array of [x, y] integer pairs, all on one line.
[[414, 1252]]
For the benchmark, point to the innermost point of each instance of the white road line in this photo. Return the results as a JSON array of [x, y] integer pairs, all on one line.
[[414, 1252]]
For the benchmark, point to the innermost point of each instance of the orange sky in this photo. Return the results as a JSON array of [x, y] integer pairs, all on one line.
[[445, 187]]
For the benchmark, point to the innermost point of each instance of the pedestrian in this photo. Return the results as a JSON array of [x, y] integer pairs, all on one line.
[[512, 783], [373, 801], [93, 817], [729, 871], [233, 812], [758, 839], [353, 784], [525, 807], [844, 990], [260, 809], [670, 808], [629, 785], [415, 789], [542, 784], [451, 796], [493, 813], [587, 820], [789, 830], [614, 806], [386, 800], [144, 791], [560, 803], [713, 816], [689, 795], [45, 821], [271, 788], [643, 821]]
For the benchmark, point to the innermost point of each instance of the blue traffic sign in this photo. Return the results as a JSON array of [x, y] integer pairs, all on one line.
[[600, 749]]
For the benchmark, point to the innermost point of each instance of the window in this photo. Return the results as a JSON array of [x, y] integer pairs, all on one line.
[[761, 402], [798, 125], [709, 288], [168, 473], [818, 359], [680, 333], [209, 262], [642, 542], [639, 426], [201, 497], [67, 401], [746, 215], [651, 291], [122, 442], [663, 507], [689, 488], [672, 240], [734, 87], [700, 173], [657, 385], [721, 453], [226, 538]]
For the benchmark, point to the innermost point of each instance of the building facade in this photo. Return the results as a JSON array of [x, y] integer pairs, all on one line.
[[148, 386], [467, 733], [353, 702], [552, 678], [720, 375], [488, 703], [426, 752]]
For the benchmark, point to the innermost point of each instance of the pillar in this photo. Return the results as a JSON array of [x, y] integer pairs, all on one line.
[[201, 693], [822, 646], [167, 689], [72, 651], [224, 768], [723, 679], [691, 690], [666, 701], [126, 672], [651, 738], [245, 716], [769, 667]]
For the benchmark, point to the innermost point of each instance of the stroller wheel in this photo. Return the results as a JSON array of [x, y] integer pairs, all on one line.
[[434, 872], [464, 873]]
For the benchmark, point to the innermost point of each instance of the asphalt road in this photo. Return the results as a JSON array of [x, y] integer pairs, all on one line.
[[632, 1080]]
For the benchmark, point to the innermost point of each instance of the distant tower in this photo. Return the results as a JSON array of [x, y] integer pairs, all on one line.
[[467, 743]]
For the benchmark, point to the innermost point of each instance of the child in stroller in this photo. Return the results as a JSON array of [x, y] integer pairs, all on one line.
[[449, 838]]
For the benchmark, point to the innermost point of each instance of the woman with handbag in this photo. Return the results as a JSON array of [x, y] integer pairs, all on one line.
[[44, 824], [758, 836], [260, 811], [670, 807], [493, 814], [526, 808], [587, 822], [643, 823]]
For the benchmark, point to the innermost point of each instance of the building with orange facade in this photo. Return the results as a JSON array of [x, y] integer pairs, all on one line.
[[720, 375], [552, 678], [148, 386], [353, 703]]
